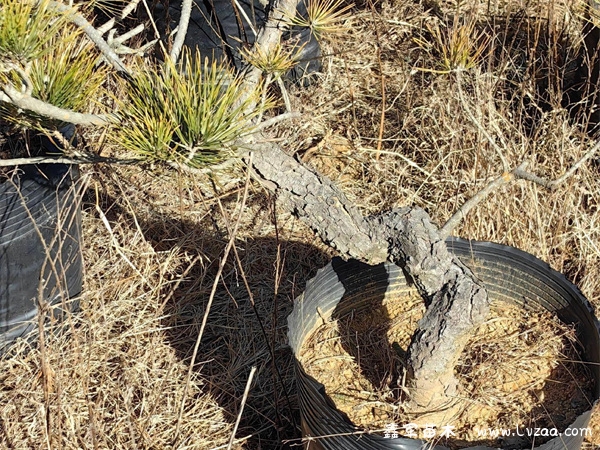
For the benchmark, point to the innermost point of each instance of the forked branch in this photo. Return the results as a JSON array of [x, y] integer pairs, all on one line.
[[507, 177], [93, 34]]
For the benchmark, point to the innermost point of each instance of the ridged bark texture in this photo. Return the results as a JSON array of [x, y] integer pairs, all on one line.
[[456, 302]]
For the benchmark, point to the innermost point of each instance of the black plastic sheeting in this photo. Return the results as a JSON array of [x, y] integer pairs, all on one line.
[[39, 210], [509, 275], [219, 30]]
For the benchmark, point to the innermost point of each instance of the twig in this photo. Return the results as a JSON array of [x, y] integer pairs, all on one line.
[[106, 27], [273, 120], [553, 184], [154, 27], [244, 398], [81, 159], [507, 177], [284, 94], [21, 100], [129, 8], [243, 13], [184, 20], [211, 298], [461, 213], [93, 34], [116, 42]]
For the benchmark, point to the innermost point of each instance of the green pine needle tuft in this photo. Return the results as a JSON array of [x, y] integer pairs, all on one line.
[[190, 113], [26, 29]]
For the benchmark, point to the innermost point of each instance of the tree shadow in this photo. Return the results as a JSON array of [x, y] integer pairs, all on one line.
[[247, 323], [364, 321]]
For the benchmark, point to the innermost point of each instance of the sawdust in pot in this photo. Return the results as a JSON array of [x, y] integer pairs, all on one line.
[[520, 368]]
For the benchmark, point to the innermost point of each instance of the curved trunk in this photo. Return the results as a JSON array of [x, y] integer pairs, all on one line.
[[456, 302]]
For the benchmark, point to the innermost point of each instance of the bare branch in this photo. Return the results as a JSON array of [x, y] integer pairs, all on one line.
[[507, 177], [553, 184], [106, 27], [273, 120], [119, 40], [129, 8], [21, 100], [462, 212], [116, 42], [79, 159], [184, 20], [93, 34]]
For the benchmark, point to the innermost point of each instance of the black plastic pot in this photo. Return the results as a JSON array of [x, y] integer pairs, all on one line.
[[219, 29], [510, 275], [40, 258]]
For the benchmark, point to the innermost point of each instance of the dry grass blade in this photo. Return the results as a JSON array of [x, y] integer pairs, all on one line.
[[211, 298], [242, 404]]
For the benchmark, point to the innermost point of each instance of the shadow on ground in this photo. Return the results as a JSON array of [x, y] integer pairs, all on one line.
[[247, 323]]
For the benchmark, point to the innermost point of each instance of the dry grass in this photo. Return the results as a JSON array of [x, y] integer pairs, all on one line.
[[118, 375]]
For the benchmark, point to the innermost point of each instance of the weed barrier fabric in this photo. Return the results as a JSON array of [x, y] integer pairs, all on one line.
[[509, 275], [39, 211]]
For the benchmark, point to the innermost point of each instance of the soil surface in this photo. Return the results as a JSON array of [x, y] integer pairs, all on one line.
[[521, 369]]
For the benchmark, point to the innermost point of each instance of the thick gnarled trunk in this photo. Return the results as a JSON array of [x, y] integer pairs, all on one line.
[[456, 302]]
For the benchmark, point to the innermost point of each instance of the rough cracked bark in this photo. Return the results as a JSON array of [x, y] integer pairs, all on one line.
[[319, 202], [456, 304], [456, 301]]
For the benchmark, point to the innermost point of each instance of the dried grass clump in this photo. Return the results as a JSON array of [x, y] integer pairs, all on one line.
[[152, 243]]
